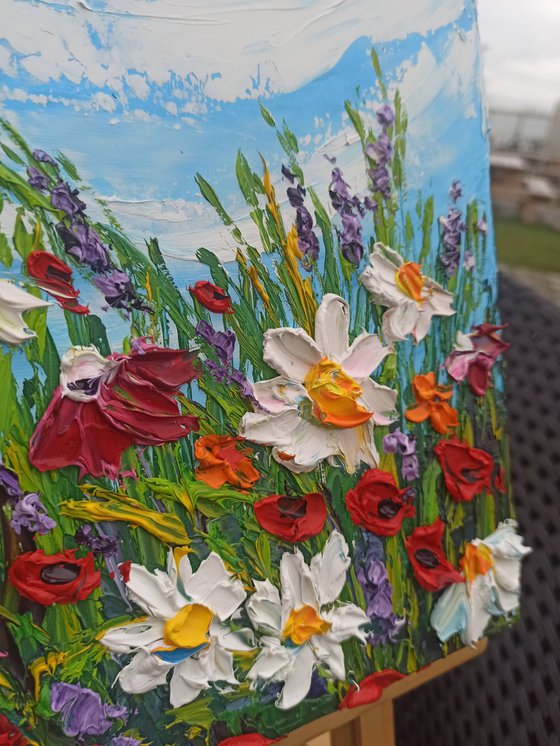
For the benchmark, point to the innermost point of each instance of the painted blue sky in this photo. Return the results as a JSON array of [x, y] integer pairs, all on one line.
[[142, 94]]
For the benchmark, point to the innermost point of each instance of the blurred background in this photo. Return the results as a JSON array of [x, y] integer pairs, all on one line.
[[521, 55]]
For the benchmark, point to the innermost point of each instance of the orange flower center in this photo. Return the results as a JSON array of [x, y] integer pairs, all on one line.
[[334, 395], [477, 560], [189, 627], [410, 281], [303, 623]]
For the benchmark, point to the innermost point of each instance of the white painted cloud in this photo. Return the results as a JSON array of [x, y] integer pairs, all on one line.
[[224, 50], [183, 226]]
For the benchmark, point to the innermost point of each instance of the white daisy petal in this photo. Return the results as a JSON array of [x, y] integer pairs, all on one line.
[[364, 356], [128, 637], [298, 680], [276, 394], [400, 321], [329, 568], [451, 612], [13, 303], [265, 608], [331, 655], [356, 444], [143, 673], [381, 400], [332, 321], [213, 586], [273, 663], [480, 595], [347, 621], [291, 352], [379, 279], [298, 587], [182, 691], [154, 592], [241, 640]]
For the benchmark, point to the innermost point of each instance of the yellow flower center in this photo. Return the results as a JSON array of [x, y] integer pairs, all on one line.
[[410, 280], [189, 627], [477, 560], [303, 623], [334, 395]]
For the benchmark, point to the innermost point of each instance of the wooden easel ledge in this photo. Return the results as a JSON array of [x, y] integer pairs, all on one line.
[[373, 725]]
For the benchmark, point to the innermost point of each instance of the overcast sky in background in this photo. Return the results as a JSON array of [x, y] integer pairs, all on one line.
[[521, 53]]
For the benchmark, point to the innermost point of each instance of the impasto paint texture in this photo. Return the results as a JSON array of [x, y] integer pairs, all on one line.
[[253, 458]]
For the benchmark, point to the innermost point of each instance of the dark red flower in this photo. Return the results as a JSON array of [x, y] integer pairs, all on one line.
[[10, 735], [55, 277], [60, 578], [292, 518], [105, 405], [370, 689], [248, 739], [211, 297], [431, 567], [376, 503], [467, 471], [474, 359]]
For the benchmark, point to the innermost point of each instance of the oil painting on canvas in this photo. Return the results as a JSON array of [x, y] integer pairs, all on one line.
[[253, 457]]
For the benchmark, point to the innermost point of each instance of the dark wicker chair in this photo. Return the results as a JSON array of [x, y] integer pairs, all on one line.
[[510, 696]]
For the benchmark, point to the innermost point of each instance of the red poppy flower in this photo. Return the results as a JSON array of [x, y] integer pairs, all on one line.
[[55, 277], [211, 297], [220, 461], [433, 403], [59, 578], [431, 567], [10, 735], [105, 405], [370, 689], [376, 503], [292, 518], [248, 739], [466, 470]]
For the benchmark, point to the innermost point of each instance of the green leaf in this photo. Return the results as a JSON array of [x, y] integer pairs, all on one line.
[[267, 116], [5, 252], [12, 155], [356, 120], [427, 220], [68, 166]]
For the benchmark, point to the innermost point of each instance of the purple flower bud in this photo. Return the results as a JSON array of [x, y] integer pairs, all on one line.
[[405, 445], [380, 151], [296, 195], [30, 513], [287, 174], [85, 245], [43, 157], [82, 711], [67, 200], [410, 467], [380, 181], [9, 482], [338, 191], [468, 261], [36, 179], [222, 342], [482, 226], [100, 544], [118, 290], [125, 741], [385, 115], [455, 191]]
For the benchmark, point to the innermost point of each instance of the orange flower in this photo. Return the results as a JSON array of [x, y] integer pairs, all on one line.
[[432, 401], [220, 461]]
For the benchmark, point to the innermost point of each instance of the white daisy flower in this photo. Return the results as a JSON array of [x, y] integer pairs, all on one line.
[[412, 298], [184, 631], [324, 403], [492, 570], [306, 624]]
